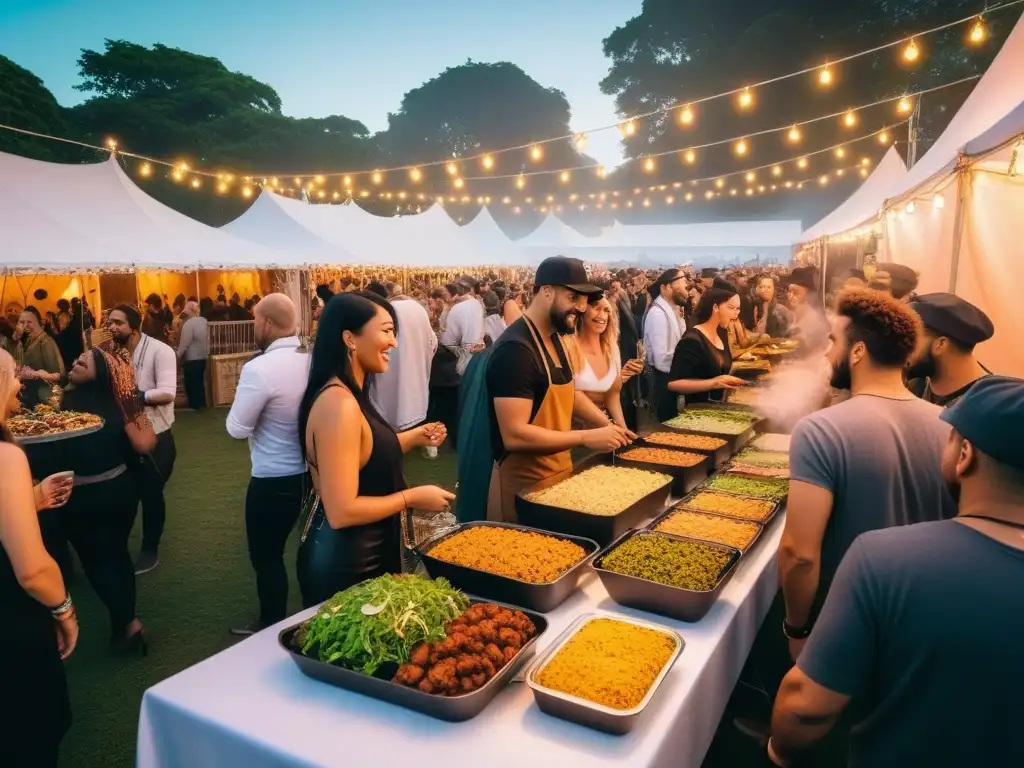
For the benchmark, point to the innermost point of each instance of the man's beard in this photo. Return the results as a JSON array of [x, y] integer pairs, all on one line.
[[842, 376], [560, 321], [679, 301], [121, 341], [925, 368]]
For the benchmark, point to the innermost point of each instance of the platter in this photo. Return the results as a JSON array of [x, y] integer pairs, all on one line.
[[685, 479], [58, 436], [678, 509], [449, 708], [588, 713], [537, 597]]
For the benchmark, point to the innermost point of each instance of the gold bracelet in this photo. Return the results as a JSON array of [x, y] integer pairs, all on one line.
[[405, 504]]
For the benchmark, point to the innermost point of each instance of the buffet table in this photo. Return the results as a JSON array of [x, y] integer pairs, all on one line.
[[250, 705]]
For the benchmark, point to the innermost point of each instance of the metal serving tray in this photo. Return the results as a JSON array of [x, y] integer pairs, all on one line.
[[589, 713], [450, 708], [683, 504], [676, 602], [759, 420], [536, 597], [600, 528], [679, 508], [59, 436], [719, 456], [733, 442], [704, 486], [685, 479]]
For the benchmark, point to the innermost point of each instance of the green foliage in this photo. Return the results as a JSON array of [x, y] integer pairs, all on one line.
[[26, 103]]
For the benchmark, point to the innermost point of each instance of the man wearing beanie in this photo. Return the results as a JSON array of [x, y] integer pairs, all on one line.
[[923, 623], [943, 367]]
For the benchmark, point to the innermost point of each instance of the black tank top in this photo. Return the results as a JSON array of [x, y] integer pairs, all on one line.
[[331, 560]]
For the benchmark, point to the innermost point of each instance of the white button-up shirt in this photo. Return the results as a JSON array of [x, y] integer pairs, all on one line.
[[661, 334], [464, 326], [266, 408], [401, 393], [156, 371]]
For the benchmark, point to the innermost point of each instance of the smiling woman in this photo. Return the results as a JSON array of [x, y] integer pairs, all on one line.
[[352, 530]]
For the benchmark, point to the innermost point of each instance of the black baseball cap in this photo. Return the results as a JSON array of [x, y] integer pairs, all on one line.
[[566, 272], [991, 416]]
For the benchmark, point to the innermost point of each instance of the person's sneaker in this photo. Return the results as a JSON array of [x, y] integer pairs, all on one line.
[[245, 630], [146, 562]]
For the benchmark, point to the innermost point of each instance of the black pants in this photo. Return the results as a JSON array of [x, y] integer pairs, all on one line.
[[627, 399], [151, 474], [195, 383], [96, 521], [272, 506], [444, 407]]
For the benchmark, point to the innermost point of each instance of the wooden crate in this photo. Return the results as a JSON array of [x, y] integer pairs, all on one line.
[[224, 372]]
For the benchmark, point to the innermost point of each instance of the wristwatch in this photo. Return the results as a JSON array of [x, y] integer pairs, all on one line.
[[797, 633]]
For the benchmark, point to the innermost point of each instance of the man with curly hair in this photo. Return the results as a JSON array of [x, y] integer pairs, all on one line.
[[868, 463]]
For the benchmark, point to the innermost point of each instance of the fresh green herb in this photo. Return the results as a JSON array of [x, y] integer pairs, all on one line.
[[771, 488], [381, 620], [719, 422]]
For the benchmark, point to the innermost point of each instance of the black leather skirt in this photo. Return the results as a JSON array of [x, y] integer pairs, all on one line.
[[331, 560]]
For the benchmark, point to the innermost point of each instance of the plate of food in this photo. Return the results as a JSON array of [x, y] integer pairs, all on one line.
[[45, 424], [415, 642]]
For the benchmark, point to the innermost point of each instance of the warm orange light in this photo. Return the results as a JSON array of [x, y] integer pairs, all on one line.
[[776, 170], [825, 76], [746, 99], [911, 53], [802, 163], [649, 164], [850, 119], [488, 162], [686, 115], [246, 191], [840, 152], [742, 148], [794, 135], [628, 128], [884, 138], [459, 183], [905, 105], [564, 177], [751, 176], [453, 169], [145, 170], [979, 32], [520, 182], [415, 175], [377, 177], [536, 153], [719, 183]]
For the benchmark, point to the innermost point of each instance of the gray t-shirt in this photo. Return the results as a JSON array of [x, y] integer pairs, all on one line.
[[882, 461], [923, 628]]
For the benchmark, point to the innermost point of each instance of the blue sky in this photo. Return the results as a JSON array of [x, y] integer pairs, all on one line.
[[353, 57]]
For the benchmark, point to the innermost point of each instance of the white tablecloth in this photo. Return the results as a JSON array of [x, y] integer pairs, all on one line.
[[250, 706]]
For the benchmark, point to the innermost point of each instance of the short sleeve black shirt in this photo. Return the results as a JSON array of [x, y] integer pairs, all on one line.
[[515, 369]]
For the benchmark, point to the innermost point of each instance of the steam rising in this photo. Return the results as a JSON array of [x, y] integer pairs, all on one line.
[[795, 389]]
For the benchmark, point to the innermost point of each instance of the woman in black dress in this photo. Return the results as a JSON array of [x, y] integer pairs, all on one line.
[[702, 360], [353, 531], [38, 627], [98, 517]]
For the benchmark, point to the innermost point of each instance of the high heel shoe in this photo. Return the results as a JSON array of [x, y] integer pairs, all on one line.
[[135, 645]]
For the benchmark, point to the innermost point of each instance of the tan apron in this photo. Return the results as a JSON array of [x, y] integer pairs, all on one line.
[[517, 471]]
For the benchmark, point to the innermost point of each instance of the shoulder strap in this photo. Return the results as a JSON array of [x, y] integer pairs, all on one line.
[[540, 347]]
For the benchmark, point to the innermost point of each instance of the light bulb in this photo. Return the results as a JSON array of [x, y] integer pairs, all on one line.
[[415, 175], [246, 191], [221, 188], [319, 179], [649, 164], [823, 180], [145, 170], [794, 135], [453, 169], [520, 182], [580, 141], [536, 153], [863, 173], [459, 183], [647, 202], [865, 161], [377, 177], [841, 172], [690, 157], [628, 128], [746, 99], [719, 183], [840, 153], [346, 181], [750, 191], [939, 201], [776, 170], [911, 53], [689, 197], [883, 137], [709, 195], [111, 144], [196, 183], [905, 105], [802, 163], [564, 177], [979, 32], [733, 192], [686, 115], [742, 147], [825, 76], [669, 200], [751, 176], [911, 207], [850, 119], [601, 172], [488, 162]]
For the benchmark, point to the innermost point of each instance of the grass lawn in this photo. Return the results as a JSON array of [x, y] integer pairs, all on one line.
[[203, 586]]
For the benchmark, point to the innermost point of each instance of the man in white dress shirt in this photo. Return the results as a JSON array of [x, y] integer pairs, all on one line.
[[401, 392], [663, 328], [156, 376], [465, 322], [266, 413]]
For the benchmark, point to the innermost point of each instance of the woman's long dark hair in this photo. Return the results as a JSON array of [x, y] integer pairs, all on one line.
[[344, 312], [711, 298], [112, 395]]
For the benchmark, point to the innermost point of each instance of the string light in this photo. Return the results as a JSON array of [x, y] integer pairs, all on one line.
[[911, 207], [840, 152], [145, 170], [670, 200], [580, 141], [415, 175], [346, 181], [222, 187], [746, 99], [905, 105], [865, 161], [628, 128], [883, 138], [649, 164], [377, 177], [298, 181], [802, 163], [453, 169], [196, 183], [911, 53], [487, 162], [564, 177], [709, 195], [689, 157], [459, 183], [850, 119], [686, 115], [247, 191], [794, 135], [719, 183], [979, 32], [536, 153], [520, 181], [863, 173], [825, 76], [751, 177], [939, 201], [111, 144], [841, 172], [689, 197], [601, 171], [647, 202], [776, 170], [750, 191], [823, 180], [742, 147]]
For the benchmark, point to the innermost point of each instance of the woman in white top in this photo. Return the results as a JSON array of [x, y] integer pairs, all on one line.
[[599, 372], [494, 322]]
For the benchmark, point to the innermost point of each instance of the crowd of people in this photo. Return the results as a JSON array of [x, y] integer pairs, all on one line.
[[885, 580]]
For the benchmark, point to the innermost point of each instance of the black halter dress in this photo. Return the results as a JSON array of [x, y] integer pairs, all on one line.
[[331, 560]]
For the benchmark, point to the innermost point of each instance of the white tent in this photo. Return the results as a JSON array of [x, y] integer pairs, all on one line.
[[865, 202], [68, 218], [488, 238]]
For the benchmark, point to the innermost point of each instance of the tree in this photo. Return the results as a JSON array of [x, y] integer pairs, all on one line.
[[26, 103], [674, 52]]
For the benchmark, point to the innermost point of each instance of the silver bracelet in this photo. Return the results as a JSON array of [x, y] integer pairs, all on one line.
[[63, 608]]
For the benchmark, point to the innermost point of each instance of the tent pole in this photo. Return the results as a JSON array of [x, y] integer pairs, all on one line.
[[962, 182]]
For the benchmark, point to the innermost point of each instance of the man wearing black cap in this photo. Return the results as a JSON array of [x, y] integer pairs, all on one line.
[[664, 326], [924, 616], [943, 367], [530, 382]]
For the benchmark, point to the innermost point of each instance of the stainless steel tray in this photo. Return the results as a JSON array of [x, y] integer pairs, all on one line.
[[37, 439], [589, 713], [450, 708]]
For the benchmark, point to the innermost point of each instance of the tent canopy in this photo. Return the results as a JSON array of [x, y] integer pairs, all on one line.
[[72, 218]]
